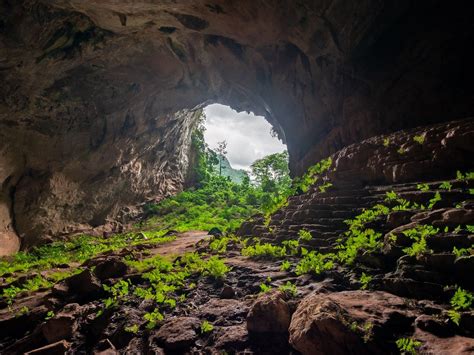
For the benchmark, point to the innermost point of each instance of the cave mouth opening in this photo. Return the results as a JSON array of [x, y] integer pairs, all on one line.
[[248, 137]]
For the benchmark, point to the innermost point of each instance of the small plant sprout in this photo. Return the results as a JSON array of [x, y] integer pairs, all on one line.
[[23, 311], [365, 280], [470, 228], [325, 186], [264, 288], [305, 235], [446, 185], [420, 139], [206, 327], [461, 252], [436, 198], [289, 289], [132, 329], [401, 150], [386, 142], [423, 187], [49, 315], [408, 346], [153, 318]]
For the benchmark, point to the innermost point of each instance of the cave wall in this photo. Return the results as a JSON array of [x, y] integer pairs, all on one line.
[[94, 106]]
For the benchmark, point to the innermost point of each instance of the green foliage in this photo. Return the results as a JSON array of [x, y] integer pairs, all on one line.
[[401, 150], [49, 315], [23, 311], [289, 289], [153, 318], [386, 142], [461, 252], [312, 175], [291, 246], [264, 251], [206, 327], [455, 316], [216, 268], [420, 139], [324, 187], [219, 245], [78, 249], [314, 263], [423, 187], [359, 238], [408, 346], [465, 176], [446, 185], [132, 329], [470, 228], [304, 235], [462, 299], [419, 235], [285, 265], [217, 203], [265, 288], [365, 280], [434, 200]]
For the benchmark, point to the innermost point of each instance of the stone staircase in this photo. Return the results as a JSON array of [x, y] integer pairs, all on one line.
[[323, 214]]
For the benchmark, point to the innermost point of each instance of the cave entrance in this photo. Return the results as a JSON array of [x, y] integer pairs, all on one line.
[[247, 137]]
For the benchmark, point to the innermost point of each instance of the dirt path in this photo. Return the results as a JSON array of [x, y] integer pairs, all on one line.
[[184, 242]]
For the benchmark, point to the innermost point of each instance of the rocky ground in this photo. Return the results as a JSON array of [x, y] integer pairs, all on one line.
[[379, 262]]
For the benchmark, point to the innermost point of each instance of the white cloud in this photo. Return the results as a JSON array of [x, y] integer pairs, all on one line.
[[248, 136]]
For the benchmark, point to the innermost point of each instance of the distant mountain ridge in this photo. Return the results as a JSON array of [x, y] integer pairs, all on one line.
[[236, 175]]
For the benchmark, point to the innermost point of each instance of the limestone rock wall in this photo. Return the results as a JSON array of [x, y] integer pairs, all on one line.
[[90, 89]]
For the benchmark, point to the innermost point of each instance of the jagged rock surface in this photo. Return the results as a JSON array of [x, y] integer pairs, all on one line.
[[407, 297], [90, 91]]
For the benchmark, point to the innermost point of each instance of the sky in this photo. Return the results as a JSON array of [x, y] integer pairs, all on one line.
[[248, 136]]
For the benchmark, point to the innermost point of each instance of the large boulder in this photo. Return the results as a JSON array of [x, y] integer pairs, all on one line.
[[269, 314], [348, 322], [177, 334]]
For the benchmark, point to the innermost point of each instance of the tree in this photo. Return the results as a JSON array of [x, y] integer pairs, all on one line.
[[222, 152], [271, 172]]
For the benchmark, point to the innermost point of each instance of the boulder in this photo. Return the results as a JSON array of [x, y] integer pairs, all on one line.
[[346, 322], [269, 314], [84, 283], [111, 268], [177, 334]]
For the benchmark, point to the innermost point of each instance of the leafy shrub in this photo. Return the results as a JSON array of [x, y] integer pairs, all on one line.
[[419, 235], [265, 250], [216, 268], [291, 246], [312, 175], [305, 235], [314, 263]]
